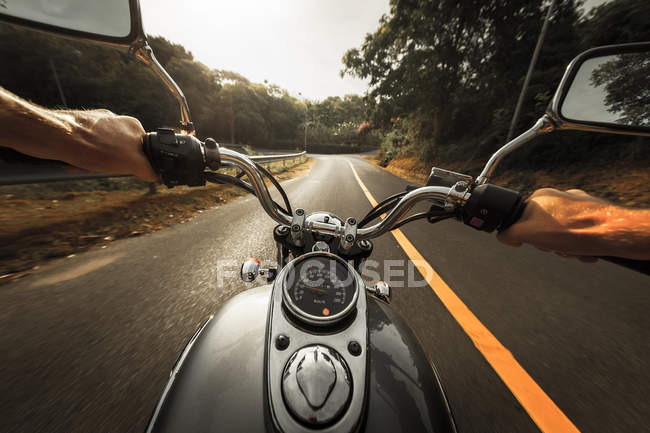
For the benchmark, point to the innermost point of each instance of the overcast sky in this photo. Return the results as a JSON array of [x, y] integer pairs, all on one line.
[[297, 44]]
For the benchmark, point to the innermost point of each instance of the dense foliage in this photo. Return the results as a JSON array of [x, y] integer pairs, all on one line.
[[445, 75], [444, 79], [224, 104]]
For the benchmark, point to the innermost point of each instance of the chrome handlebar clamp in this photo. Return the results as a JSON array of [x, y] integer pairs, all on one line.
[[349, 235], [458, 195], [297, 227]]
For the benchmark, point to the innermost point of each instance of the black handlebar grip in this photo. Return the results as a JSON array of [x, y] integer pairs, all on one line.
[[493, 207], [180, 159], [514, 216]]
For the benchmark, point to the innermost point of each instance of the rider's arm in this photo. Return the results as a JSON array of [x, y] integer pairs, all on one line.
[[94, 140], [573, 223]]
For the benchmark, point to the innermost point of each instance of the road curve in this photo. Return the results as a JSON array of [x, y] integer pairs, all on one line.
[[88, 341]]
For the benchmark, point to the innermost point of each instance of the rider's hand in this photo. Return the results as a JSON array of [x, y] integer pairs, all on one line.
[[575, 224], [96, 140], [107, 143]]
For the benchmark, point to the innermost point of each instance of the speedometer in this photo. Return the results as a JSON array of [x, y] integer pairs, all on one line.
[[320, 288]]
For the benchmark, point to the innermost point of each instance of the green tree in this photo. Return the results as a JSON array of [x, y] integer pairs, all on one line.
[[616, 22], [448, 69]]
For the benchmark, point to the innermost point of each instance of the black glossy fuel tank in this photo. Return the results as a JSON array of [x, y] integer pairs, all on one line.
[[405, 394], [218, 383]]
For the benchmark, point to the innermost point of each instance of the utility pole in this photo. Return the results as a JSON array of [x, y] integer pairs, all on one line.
[[306, 111], [531, 67]]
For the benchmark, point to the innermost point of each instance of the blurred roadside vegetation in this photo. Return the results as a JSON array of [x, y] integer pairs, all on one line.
[[445, 77], [48, 221], [224, 104]]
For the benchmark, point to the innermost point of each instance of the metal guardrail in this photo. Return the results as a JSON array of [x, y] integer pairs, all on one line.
[[274, 158], [23, 173]]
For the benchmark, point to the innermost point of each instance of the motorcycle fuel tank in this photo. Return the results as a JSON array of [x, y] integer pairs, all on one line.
[[218, 383]]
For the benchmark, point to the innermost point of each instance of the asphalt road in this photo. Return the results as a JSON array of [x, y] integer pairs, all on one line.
[[87, 342]]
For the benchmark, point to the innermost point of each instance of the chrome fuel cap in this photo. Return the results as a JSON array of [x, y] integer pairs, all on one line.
[[316, 385]]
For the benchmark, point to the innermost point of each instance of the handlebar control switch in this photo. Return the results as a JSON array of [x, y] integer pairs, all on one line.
[[179, 159], [492, 207]]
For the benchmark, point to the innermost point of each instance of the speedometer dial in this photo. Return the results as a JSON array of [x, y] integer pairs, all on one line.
[[320, 288]]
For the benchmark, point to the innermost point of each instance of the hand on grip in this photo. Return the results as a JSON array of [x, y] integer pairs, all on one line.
[[180, 159], [492, 207], [576, 224]]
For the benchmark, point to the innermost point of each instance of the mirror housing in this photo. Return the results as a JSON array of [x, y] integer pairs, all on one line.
[[600, 110], [135, 42], [51, 18]]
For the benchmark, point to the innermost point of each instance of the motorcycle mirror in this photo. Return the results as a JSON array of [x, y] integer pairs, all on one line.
[[117, 23], [111, 22], [604, 89]]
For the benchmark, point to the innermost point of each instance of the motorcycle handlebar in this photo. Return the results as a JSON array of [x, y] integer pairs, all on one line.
[[236, 159], [181, 159], [232, 158]]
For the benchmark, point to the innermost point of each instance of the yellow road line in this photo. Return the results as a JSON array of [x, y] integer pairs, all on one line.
[[543, 411]]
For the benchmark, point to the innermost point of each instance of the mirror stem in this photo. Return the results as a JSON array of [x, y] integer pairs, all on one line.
[[144, 53], [543, 126]]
